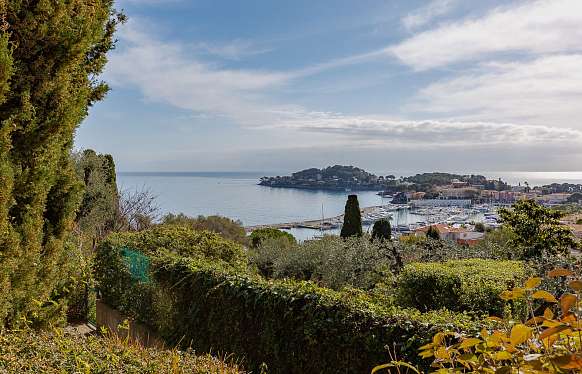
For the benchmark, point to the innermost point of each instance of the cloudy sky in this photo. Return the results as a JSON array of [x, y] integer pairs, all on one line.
[[392, 85]]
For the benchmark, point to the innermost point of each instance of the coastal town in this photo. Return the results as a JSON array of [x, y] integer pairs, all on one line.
[[459, 207]]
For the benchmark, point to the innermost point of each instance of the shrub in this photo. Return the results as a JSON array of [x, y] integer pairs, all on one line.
[[382, 230], [463, 285], [182, 241], [547, 342], [331, 261], [59, 352], [260, 235], [226, 227], [292, 326]]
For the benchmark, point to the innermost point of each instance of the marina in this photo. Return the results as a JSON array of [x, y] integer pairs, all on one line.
[[403, 218]]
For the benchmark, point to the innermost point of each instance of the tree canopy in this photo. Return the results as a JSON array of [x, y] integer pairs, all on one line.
[[51, 53], [537, 229]]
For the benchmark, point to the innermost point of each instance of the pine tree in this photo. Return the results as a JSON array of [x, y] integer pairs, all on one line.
[[50, 55], [382, 230], [352, 218]]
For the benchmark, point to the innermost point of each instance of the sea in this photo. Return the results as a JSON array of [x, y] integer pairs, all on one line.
[[238, 196]]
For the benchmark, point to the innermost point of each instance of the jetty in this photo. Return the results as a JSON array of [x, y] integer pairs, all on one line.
[[322, 224]]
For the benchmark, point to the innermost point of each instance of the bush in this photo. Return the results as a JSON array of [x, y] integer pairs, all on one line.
[[226, 227], [292, 326], [547, 342], [182, 241], [60, 352], [382, 230], [463, 285], [260, 235], [331, 261]]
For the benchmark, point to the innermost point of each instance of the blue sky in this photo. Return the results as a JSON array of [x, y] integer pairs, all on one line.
[[453, 85]]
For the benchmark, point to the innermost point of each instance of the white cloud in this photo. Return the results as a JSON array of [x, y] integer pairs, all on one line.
[[532, 27], [234, 50], [427, 13], [547, 90], [170, 73], [173, 74], [378, 130]]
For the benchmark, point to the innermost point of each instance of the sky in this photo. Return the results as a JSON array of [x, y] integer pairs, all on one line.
[[387, 85]]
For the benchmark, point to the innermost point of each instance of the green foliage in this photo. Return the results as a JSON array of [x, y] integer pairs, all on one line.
[[537, 230], [352, 218], [260, 235], [479, 227], [292, 326], [226, 227], [462, 285], [59, 351], [332, 262], [433, 233], [181, 241], [51, 53], [545, 342], [382, 230], [98, 210]]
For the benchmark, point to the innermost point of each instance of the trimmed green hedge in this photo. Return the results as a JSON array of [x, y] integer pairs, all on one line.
[[472, 285], [293, 327]]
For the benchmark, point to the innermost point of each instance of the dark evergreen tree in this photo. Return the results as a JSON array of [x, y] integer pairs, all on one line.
[[433, 233], [382, 230], [50, 55], [352, 218]]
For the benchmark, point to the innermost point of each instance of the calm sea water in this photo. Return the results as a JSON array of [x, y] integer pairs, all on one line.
[[237, 195]]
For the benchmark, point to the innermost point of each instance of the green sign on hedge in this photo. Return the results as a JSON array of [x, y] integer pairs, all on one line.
[[138, 264]]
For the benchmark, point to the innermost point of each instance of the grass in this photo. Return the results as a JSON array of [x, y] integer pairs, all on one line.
[[58, 351]]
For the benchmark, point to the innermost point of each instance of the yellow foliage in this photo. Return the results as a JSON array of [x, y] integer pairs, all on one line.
[[547, 343]]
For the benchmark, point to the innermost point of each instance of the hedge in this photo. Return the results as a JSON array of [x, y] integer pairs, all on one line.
[[291, 326], [60, 352], [472, 285]]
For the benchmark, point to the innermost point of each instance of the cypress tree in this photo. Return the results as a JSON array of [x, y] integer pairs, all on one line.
[[352, 218], [50, 55], [382, 230]]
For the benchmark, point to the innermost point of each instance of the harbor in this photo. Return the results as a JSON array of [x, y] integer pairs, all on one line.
[[404, 218]]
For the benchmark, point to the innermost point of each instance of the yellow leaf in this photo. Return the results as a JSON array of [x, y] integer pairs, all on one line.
[[426, 346], [576, 285], [552, 331], [506, 295], [519, 334], [442, 353], [559, 273], [503, 355], [544, 295], [496, 319], [548, 314], [438, 338], [535, 320], [533, 283], [469, 342], [518, 292], [567, 301]]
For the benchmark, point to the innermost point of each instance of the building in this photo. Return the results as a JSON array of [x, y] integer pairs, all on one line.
[[455, 234], [441, 202], [553, 198]]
